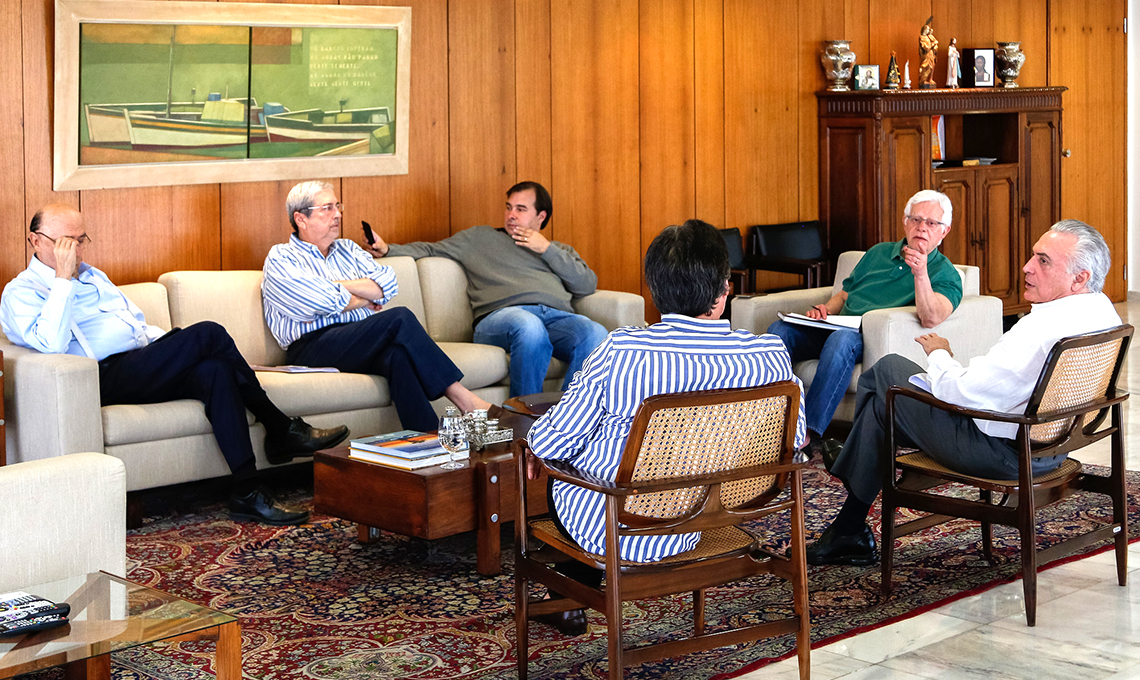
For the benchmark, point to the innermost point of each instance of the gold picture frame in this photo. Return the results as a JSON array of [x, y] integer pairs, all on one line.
[[70, 174]]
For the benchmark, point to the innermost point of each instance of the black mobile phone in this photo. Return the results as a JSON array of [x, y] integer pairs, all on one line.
[[368, 233]]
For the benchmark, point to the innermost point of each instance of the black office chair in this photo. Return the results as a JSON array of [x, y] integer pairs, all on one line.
[[793, 247], [742, 277]]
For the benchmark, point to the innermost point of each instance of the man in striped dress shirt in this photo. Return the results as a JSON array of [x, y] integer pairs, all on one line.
[[323, 297], [687, 270]]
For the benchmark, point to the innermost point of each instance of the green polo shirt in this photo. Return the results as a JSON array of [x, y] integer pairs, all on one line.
[[882, 279]]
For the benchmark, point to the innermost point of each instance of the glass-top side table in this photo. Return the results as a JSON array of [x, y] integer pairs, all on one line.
[[109, 614]]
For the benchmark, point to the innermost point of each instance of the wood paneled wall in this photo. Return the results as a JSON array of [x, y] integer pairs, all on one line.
[[635, 113]]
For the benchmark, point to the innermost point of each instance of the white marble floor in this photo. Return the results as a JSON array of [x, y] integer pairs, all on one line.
[[1087, 625]]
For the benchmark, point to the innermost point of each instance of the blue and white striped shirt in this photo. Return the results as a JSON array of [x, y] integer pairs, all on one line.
[[300, 290], [589, 426]]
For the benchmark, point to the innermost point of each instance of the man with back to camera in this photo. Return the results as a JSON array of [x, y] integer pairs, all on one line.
[[520, 285], [1063, 280], [324, 299], [692, 348], [62, 305], [893, 274]]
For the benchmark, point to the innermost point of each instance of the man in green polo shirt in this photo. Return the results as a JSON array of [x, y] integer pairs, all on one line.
[[907, 272]]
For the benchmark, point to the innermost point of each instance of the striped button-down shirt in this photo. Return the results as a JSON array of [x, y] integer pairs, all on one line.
[[590, 424], [301, 292]]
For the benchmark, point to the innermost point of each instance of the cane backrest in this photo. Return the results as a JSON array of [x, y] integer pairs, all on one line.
[[1079, 370], [684, 434]]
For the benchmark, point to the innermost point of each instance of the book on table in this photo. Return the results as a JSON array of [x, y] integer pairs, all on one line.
[[406, 449], [850, 322]]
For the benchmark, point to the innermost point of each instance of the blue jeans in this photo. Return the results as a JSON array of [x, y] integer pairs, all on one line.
[[837, 351], [532, 334]]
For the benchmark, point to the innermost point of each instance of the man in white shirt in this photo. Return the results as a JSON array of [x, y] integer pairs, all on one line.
[[62, 305], [1063, 279]]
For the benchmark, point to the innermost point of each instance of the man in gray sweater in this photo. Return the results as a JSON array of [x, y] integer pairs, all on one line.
[[520, 285]]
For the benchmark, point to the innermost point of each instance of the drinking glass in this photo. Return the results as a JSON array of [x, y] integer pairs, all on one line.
[[452, 436]]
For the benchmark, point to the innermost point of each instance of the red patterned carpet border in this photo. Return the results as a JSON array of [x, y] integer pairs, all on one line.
[[316, 604]]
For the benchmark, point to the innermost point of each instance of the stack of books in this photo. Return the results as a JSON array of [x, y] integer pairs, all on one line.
[[405, 449]]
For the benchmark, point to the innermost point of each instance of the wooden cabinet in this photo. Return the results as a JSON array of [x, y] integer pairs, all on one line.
[[875, 153]]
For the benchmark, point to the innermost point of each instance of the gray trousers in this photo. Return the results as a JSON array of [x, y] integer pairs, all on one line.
[[952, 440]]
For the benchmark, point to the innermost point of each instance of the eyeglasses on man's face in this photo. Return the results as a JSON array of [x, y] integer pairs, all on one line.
[[324, 209], [82, 240], [912, 221]]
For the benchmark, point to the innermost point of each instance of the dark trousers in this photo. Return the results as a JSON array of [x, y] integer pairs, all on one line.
[[199, 362], [582, 573], [952, 440], [391, 344]]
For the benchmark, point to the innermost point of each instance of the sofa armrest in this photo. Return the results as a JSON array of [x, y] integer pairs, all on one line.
[[62, 517], [758, 312], [51, 402], [613, 309], [972, 330]]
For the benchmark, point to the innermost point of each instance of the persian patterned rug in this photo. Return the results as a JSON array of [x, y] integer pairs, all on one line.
[[315, 603]]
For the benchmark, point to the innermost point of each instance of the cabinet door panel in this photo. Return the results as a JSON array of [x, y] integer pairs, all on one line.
[[847, 192], [958, 184], [1040, 175], [907, 160], [997, 231]]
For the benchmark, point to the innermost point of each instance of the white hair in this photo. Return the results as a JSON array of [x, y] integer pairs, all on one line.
[[1090, 254], [302, 196], [929, 195]]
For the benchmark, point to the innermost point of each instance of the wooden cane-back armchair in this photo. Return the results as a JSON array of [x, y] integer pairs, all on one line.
[[696, 461], [1075, 390]]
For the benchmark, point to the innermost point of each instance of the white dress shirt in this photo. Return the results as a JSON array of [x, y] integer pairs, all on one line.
[[1003, 379], [590, 424], [86, 316]]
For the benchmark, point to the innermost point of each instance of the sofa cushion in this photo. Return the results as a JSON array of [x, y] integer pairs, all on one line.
[[133, 423], [408, 280], [305, 394], [231, 298], [446, 305], [151, 298], [482, 365]]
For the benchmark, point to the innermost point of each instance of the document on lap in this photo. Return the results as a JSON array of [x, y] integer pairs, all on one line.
[[295, 369], [921, 381], [833, 322]]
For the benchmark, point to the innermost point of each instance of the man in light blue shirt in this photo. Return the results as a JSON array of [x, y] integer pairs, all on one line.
[[62, 305], [323, 297]]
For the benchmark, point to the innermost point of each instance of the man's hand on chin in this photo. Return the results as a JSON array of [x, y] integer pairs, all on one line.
[[933, 341]]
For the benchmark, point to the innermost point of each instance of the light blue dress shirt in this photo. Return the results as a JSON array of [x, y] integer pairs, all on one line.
[[85, 316], [590, 424], [300, 290]]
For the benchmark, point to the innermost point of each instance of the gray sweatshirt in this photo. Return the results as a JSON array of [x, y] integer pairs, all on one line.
[[502, 274]]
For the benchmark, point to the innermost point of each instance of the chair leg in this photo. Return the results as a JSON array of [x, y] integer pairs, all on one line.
[[698, 612], [887, 545], [1119, 495], [522, 624], [986, 497], [1029, 569]]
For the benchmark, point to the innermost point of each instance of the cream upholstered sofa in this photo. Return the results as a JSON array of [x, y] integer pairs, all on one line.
[[62, 517], [973, 328], [53, 406]]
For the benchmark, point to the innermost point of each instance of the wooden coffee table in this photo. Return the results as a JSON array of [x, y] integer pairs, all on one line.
[[109, 614], [430, 502]]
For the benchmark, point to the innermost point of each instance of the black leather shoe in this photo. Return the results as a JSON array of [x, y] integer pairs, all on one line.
[[829, 451], [571, 623], [835, 548], [301, 439], [260, 506]]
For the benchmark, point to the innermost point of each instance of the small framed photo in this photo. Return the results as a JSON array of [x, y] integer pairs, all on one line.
[[867, 76], [978, 67]]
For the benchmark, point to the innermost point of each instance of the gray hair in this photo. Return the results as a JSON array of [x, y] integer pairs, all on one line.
[[928, 195], [302, 196], [1090, 254]]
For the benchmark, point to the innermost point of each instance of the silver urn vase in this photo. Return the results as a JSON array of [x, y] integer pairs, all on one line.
[[837, 59], [1009, 59]]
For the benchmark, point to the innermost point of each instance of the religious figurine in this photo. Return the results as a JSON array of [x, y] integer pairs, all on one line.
[[953, 68], [928, 50], [892, 82], [906, 75]]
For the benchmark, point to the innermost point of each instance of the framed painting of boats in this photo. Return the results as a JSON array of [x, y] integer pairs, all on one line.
[[160, 93]]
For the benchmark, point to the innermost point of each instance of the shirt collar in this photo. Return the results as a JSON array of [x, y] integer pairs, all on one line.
[[47, 274], [896, 250], [1077, 298], [694, 324], [312, 249]]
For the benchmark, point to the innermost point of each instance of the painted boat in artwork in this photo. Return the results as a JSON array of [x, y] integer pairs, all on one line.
[[318, 125], [215, 122]]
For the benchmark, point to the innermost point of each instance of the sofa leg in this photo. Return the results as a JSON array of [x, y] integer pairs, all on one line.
[[134, 510]]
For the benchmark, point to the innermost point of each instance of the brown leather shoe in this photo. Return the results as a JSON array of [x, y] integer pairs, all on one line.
[[571, 623]]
